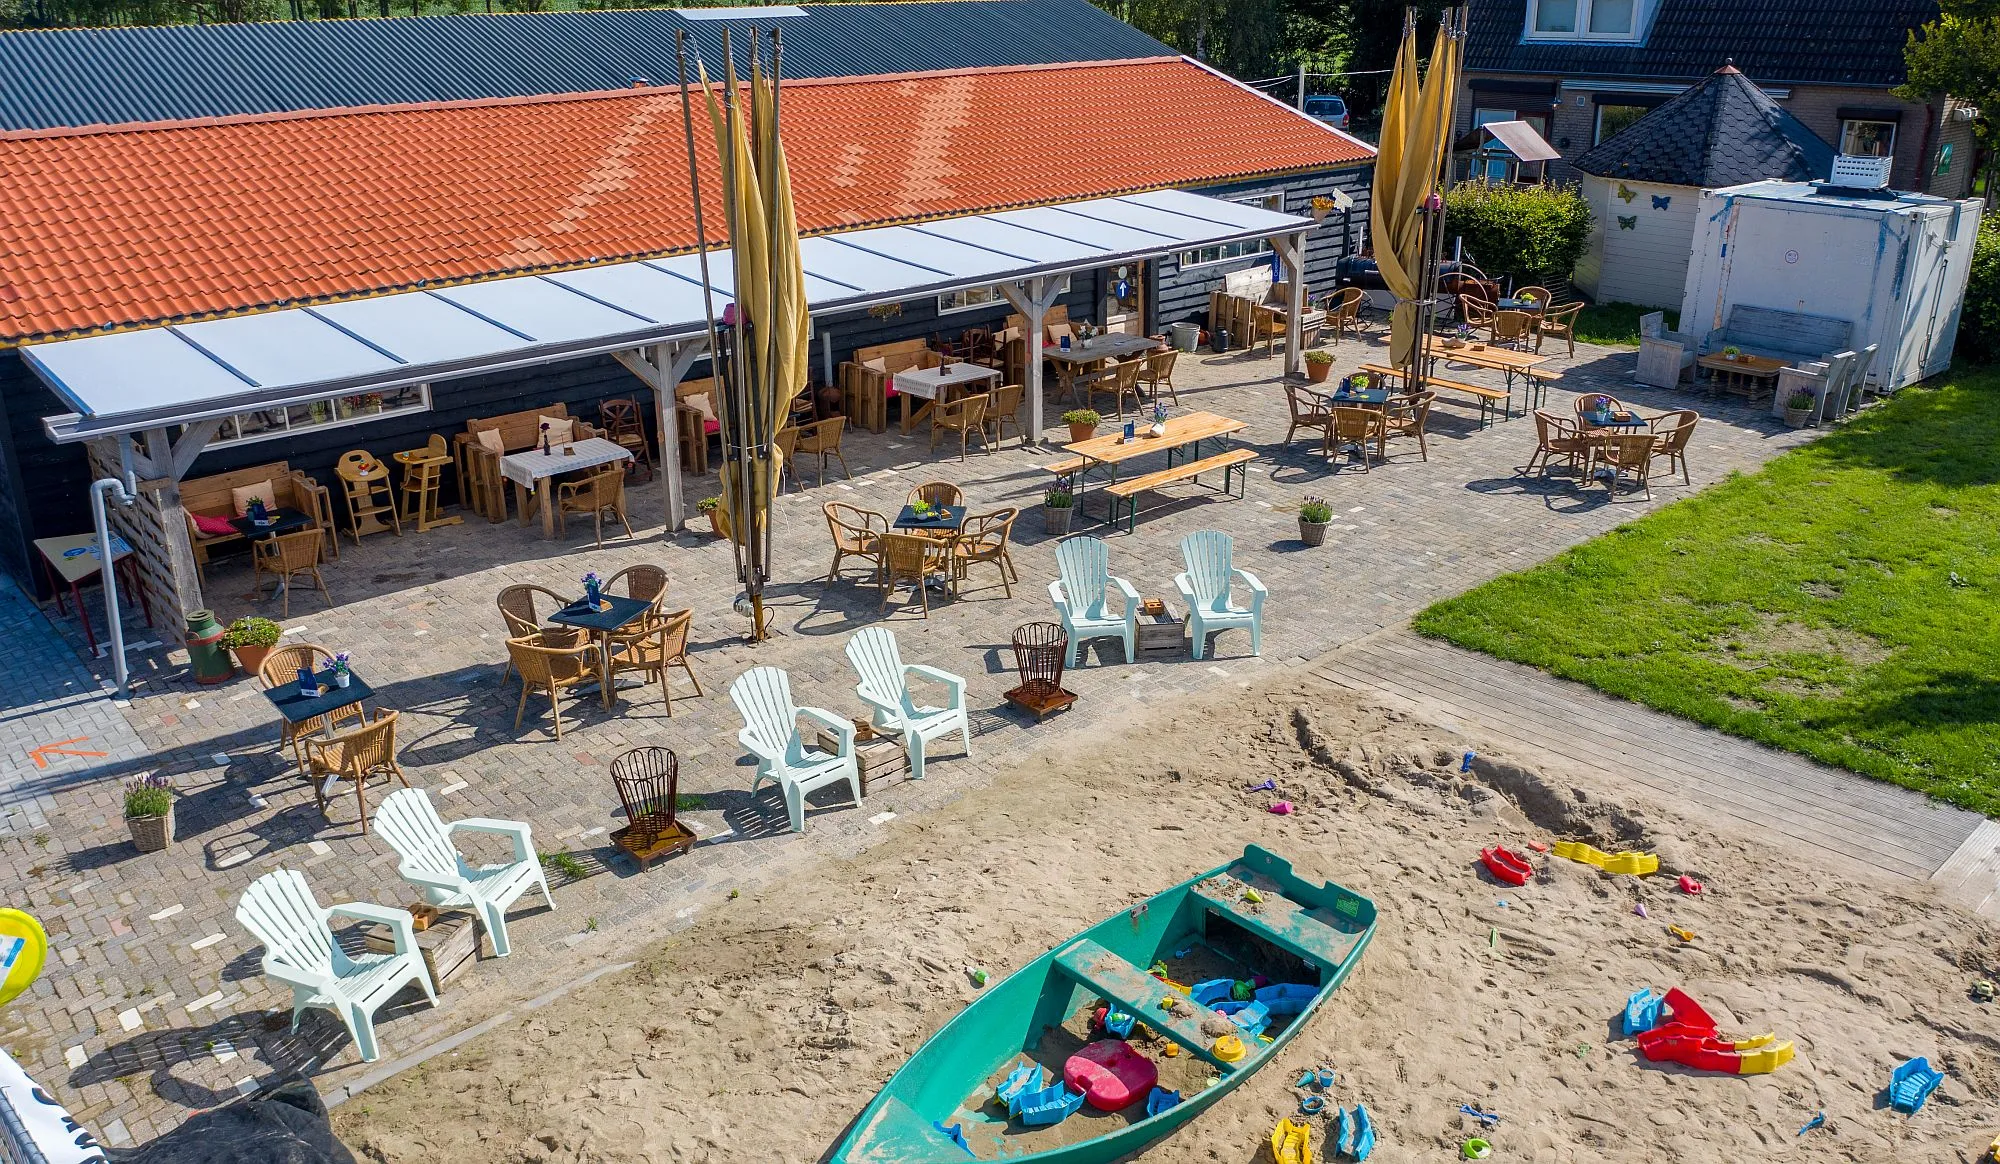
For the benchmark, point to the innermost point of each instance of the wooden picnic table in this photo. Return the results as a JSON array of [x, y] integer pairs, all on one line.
[[1095, 350], [1506, 361], [534, 471], [936, 386]]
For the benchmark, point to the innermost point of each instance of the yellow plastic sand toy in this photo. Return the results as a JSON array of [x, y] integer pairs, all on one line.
[[1229, 1049], [1636, 864], [1292, 1143], [23, 945]]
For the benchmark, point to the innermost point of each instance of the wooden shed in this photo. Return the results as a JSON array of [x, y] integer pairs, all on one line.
[[1645, 183]]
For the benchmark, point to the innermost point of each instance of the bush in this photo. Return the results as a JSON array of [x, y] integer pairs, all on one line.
[[1979, 320], [1529, 234], [252, 631], [1085, 416]]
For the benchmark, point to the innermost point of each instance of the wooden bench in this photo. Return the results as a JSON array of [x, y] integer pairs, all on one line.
[[480, 486], [1126, 493], [214, 497], [1486, 396], [1139, 994], [864, 379]]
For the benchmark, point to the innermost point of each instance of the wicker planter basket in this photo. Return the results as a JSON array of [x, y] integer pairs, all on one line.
[[1056, 518], [1313, 533], [152, 833]]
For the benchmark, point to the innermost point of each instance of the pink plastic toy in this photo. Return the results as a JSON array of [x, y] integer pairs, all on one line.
[[1282, 808], [1689, 885], [1111, 1075]]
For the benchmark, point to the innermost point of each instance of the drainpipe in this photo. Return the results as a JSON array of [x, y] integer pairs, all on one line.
[[123, 490]]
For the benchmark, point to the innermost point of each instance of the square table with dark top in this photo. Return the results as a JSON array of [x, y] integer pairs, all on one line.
[[283, 521], [1611, 420], [614, 615], [297, 707], [1534, 307], [1373, 396], [948, 518]]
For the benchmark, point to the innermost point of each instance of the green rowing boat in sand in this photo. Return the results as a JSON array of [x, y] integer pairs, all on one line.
[[1214, 976]]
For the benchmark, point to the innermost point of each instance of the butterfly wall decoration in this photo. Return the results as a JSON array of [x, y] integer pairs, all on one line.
[[1662, 201], [1626, 192], [1628, 222]]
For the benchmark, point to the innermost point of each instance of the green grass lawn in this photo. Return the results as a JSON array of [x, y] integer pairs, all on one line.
[[1843, 603], [1616, 323]]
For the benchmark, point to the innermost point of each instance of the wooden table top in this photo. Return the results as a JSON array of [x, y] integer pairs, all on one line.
[[74, 556], [1746, 363], [1504, 359], [1115, 346], [1181, 430]]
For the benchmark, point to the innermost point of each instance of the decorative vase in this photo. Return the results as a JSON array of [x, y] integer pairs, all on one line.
[[1313, 533], [1317, 372], [150, 834], [251, 659], [1797, 417], [1081, 432], [340, 678], [206, 656], [1055, 519]]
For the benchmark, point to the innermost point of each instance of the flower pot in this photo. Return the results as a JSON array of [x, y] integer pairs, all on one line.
[[1317, 373], [1313, 533], [1081, 432], [154, 833], [1797, 417], [251, 658], [1055, 519], [341, 678]]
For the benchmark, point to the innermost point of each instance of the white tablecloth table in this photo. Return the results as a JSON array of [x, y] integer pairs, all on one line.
[[932, 384], [534, 472]]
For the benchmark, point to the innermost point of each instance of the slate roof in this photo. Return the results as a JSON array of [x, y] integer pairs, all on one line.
[[189, 219], [87, 76], [1722, 132], [1807, 42]]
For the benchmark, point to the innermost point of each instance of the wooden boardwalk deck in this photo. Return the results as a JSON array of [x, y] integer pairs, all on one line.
[[1875, 824]]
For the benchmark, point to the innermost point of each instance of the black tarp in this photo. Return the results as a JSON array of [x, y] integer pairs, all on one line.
[[283, 1125]]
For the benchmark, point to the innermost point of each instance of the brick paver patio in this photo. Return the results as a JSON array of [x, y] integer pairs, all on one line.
[[156, 1005]]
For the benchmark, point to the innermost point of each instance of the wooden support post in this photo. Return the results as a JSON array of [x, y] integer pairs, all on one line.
[[1291, 250], [164, 463], [663, 367], [1033, 299]]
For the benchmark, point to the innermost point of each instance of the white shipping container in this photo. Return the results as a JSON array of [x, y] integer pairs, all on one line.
[[1893, 265]]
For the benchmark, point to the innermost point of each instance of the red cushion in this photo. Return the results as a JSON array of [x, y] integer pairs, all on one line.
[[711, 427], [212, 527], [1111, 1075]]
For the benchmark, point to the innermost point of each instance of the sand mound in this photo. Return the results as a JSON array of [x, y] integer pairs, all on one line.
[[760, 1032]]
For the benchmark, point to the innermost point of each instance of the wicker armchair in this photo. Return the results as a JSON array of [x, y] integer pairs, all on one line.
[[984, 538], [358, 754], [1559, 322], [965, 416], [913, 559], [657, 643], [1003, 407], [289, 556], [1343, 311], [624, 424], [1360, 428], [822, 439], [281, 669], [598, 494], [1158, 373], [1558, 436], [1671, 433], [1628, 454], [1406, 416], [1510, 328], [1310, 410], [646, 583], [936, 493], [857, 533], [1118, 378], [1596, 402], [553, 669]]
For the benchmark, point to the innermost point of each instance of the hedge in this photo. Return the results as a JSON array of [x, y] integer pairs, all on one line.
[[1529, 234], [1979, 320]]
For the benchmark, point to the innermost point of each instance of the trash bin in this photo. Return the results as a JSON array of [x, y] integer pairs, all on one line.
[[1040, 649], [1187, 336], [1218, 340]]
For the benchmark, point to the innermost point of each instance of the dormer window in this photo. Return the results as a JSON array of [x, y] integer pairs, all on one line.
[[1583, 20]]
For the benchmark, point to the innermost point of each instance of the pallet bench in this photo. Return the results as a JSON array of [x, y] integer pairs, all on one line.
[[1125, 493]]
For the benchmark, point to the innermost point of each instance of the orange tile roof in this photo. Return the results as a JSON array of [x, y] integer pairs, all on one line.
[[111, 226]]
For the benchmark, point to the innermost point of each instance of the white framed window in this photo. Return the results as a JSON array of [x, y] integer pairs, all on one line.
[[265, 424], [1236, 250], [1583, 20], [973, 298], [1868, 139]]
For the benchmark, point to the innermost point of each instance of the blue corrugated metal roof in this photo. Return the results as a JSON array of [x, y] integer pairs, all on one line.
[[88, 76]]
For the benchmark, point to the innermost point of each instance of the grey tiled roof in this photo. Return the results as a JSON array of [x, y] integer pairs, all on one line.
[[1722, 132], [1824, 42]]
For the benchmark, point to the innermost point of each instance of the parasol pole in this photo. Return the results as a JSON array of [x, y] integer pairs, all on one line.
[[700, 229], [734, 428]]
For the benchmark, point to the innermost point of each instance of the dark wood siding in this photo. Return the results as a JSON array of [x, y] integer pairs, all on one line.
[[1182, 293]]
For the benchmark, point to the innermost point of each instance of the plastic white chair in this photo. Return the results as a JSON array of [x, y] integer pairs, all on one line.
[[885, 686], [1205, 586], [1083, 575], [280, 911], [432, 863], [763, 696]]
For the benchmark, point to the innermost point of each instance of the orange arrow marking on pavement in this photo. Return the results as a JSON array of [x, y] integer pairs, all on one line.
[[60, 748]]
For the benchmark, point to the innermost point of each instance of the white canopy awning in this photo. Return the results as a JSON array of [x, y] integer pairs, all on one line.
[[176, 373]]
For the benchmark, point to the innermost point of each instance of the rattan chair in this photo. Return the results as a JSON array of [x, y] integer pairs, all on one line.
[[1118, 378], [552, 669], [1406, 416], [1003, 407], [357, 754], [984, 538], [1559, 322], [965, 416], [281, 669], [1671, 433], [912, 558], [936, 493], [1343, 311], [1475, 313], [1558, 436], [822, 439], [600, 493], [288, 556], [857, 533], [1596, 402], [647, 583], [517, 610], [1533, 291], [652, 647], [1627, 454], [624, 424], [1310, 410], [1158, 373], [1359, 428], [648, 782], [1510, 328]]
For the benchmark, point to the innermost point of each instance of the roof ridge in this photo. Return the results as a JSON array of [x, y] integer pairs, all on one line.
[[132, 127]]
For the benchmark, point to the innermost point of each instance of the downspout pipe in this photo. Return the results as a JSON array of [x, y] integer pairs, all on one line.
[[123, 489]]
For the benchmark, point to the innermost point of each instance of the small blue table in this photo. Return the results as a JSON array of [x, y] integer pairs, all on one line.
[[1610, 420], [1376, 396], [298, 707], [948, 517], [613, 615]]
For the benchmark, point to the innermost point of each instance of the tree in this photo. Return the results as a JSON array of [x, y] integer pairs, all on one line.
[[1959, 54]]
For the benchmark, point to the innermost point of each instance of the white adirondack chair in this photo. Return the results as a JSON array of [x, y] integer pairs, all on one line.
[[763, 696], [885, 686], [1084, 579], [280, 911], [430, 862], [1205, 586]]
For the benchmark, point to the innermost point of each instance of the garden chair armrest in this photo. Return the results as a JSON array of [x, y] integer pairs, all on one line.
[[1131, 596], [955, 682], [293, 976], [1185, 585], [877, 703], [401, 925], [521, 831], [1056, 596], [1258, 590], [749, 743], [840, 726], [415, 876]]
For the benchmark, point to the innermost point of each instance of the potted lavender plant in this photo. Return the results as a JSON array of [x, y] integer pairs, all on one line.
[[149, 811]]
